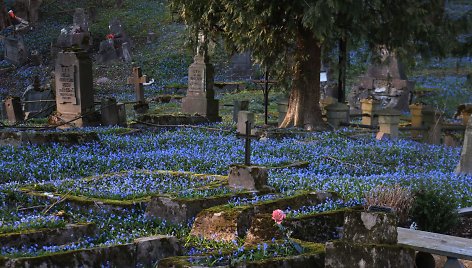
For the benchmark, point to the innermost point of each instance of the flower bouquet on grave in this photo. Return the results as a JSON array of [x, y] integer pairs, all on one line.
[[278, 216]]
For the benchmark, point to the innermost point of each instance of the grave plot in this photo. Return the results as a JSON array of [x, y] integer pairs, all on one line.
[[133, 187], [272, 254], [42, 235]]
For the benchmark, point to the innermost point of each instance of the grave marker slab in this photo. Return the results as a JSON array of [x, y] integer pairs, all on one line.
[[200, 95], [385, 82], [12, 106], [74, 87], [38, 101], [109, 112], [15, 50], [107, 52]]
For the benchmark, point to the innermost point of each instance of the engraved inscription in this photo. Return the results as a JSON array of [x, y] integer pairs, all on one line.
[[66, 85], [196, 80]]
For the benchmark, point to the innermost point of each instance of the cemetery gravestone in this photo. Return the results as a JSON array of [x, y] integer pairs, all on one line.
[[119, 36], [38, 101], [200, 94], [12, 106], [109, 112], [241, 66], [74, 88], [78, 34], [107, 52], [28, 9], [137, 80], [244, 117], [385, 82], [465, 162], [239, 106], [126, 52], [15, 50]]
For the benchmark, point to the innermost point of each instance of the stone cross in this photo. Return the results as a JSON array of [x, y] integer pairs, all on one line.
[[137, 79]]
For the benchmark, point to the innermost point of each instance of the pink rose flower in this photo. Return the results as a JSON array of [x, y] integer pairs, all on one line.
[[278, 216]]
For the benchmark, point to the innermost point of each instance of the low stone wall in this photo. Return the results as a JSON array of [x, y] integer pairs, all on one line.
[[169, 119], [144, 252], [177, 210], [38, 137], [319, 228], [226, 223], [41, 237], [312, 258]]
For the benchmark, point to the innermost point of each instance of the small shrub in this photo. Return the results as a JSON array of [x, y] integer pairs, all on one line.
[[396, 197], [434, 210]]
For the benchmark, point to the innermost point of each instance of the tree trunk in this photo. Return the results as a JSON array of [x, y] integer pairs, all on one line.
[[303, 106], [342, 57]]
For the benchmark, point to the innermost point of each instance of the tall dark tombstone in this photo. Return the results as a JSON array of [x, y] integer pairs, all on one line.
[[74, 88], [200, 94], [15, 50]]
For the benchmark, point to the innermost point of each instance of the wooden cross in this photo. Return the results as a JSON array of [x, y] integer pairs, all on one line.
[[247, 144], [137, 79]]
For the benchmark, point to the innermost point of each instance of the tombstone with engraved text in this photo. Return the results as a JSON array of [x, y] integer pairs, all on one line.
[[74, 88], [200, 94]]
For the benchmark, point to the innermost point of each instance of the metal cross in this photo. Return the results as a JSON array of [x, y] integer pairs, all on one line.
[[247, 143], [137, 79]]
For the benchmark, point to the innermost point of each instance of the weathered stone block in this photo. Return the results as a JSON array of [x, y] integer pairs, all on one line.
[[247, 177], [370, 228], [181, 210], [227, 225], [149, 250], [340, 254], [244, 116], [40, 237], [337, 113]]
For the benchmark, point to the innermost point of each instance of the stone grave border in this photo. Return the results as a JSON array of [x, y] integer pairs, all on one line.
[[104, 203], [148, 120], [43, 137], [313, 256], [142, 251], [42, 236], [238, 219]]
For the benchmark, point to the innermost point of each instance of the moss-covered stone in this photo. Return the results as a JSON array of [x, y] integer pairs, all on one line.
[[142, 252], [43, 137], [225, 225], [228, 223], [181, 210], [370, 227], [319, 228], [313, 256], [341, 254], [45, 236]]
